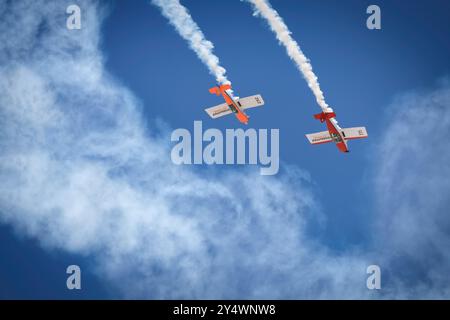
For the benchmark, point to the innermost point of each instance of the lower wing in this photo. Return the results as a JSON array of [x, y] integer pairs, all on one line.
[[319, 137], [250, 102], [354, 133], [218, 111]]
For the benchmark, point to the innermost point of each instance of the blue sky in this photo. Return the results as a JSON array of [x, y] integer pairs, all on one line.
[[143, 71]]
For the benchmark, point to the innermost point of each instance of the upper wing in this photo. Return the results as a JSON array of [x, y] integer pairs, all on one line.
[[319, 137], [218, 111], [250, 102], [354, 133]]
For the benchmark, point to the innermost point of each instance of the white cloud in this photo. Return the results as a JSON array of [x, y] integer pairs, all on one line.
[[413, 193], [81, 172]]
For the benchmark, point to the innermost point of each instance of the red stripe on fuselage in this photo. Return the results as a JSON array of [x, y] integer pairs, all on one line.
[[342, 146], [241, 116]]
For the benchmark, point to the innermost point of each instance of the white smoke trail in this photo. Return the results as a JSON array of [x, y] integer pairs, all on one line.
[[179, 17], [276, 23]]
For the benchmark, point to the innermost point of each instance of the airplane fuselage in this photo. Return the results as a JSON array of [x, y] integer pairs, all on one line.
[[234, 106], [337, 134], [225, 91]]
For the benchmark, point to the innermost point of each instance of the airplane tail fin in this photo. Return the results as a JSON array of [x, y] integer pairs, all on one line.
[[217, 90], [225, 87], [325, 115]]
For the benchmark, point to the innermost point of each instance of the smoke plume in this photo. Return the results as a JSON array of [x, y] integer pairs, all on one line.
[[276, 23], [179, 17]]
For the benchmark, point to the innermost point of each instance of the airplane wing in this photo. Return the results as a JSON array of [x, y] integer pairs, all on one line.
[[218, 111], [354, 133], [319, 137], [251, 102]]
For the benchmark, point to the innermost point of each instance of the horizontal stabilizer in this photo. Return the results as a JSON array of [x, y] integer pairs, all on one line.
[[319, 137], [215, 90], [323, 116]]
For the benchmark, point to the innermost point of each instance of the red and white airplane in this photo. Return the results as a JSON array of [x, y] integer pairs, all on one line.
[[335, 133], [233, 104]]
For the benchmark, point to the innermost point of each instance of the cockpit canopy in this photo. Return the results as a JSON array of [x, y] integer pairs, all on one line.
[[336, 137]]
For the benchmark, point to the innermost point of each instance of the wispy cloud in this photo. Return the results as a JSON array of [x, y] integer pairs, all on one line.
[[413, 193]]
